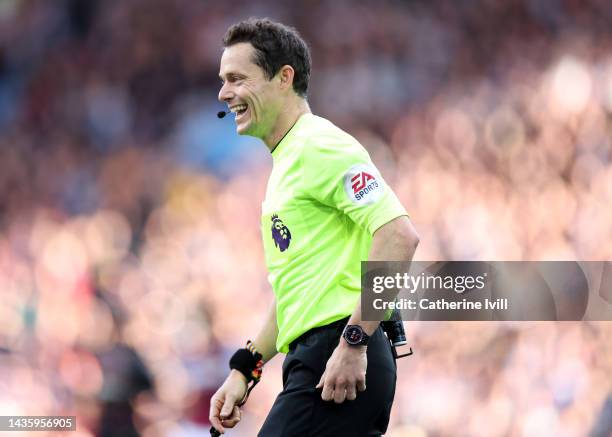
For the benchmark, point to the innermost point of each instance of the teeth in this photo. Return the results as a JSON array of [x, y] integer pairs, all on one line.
[[238, 108]]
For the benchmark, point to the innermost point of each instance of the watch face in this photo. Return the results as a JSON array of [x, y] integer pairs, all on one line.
[[353, 334]]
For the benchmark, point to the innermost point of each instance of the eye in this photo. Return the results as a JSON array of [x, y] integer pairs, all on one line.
[[235, 79]]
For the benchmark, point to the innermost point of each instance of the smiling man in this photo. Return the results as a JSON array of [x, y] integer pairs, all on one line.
[[326, 209]]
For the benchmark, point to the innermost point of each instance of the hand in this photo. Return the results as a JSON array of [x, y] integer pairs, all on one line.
[[344, 373], [224, 411]]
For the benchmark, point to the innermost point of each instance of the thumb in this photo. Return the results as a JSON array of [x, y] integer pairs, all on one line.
[[320, 384], [228, 407]]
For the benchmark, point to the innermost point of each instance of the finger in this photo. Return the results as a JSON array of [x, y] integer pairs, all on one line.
[[361, 385], [339, 394], [216, 423], [321, 381], [351, 392], [236, 414], [228, 407], [215, 408], [231, 421], [328, 392]]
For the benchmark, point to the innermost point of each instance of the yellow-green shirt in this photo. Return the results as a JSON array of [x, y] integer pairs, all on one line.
[[324, 200]]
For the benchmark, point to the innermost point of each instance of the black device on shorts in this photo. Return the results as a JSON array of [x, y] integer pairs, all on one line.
[[394, 328]]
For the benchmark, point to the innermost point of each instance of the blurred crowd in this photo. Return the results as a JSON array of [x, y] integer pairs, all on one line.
[[130, 257]]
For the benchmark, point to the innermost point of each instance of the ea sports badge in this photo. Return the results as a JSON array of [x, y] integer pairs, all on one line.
[[363, 184]]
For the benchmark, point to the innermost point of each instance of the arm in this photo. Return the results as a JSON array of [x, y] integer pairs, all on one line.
[[265, 341], [345, 370], [224, 410]]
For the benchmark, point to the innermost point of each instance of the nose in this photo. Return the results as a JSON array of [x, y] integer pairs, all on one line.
[[225, 93]]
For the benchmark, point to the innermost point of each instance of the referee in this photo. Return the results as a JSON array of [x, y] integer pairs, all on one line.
[[326, 208]]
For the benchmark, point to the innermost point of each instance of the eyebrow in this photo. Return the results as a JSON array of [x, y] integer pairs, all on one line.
[[232, 74]]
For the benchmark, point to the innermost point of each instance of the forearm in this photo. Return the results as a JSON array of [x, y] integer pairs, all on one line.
[[265, 340], [395, 241]]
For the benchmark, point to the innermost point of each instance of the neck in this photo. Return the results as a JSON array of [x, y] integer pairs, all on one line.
[[285, 121]]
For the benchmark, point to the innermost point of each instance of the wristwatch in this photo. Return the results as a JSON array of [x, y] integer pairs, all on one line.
[[355, 336]]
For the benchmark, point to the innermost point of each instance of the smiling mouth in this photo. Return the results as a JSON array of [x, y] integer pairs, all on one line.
[[239, 109]]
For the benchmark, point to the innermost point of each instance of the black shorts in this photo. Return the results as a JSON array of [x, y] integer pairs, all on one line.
[[299, 410]]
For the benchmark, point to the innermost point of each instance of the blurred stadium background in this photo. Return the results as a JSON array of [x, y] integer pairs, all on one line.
[[130, 256]]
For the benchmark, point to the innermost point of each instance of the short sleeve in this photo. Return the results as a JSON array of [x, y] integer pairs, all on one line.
[[344, 177]]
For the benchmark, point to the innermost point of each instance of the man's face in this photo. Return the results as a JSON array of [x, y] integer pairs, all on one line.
[[255, 100]]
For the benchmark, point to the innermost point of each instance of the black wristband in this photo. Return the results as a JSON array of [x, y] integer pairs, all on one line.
[[245, 362]]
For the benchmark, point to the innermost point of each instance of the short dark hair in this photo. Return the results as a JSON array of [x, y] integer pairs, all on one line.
[[275, 45]]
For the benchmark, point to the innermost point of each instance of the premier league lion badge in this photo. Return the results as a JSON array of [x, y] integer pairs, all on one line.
[[280, 233]]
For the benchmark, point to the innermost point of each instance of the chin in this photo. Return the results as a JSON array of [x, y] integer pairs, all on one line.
[[245, 130]]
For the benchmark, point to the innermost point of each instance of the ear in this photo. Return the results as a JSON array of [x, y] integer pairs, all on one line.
[[286, 75]]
